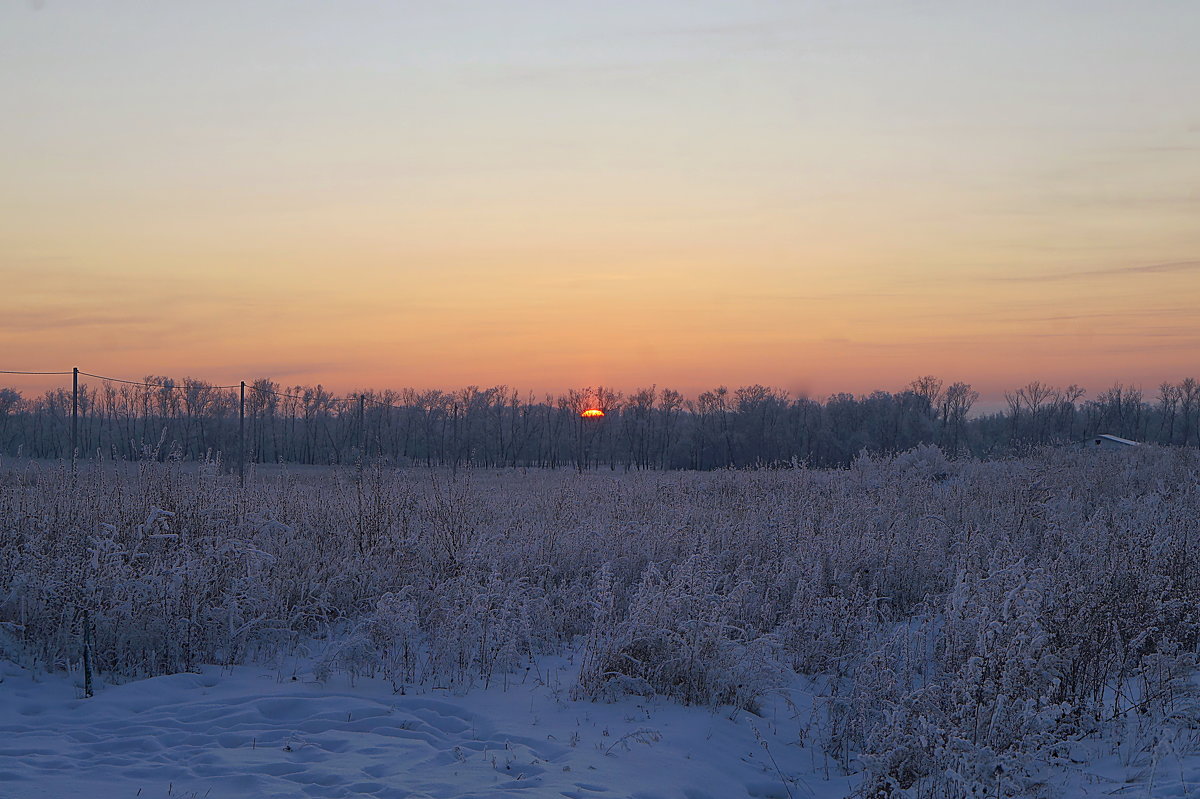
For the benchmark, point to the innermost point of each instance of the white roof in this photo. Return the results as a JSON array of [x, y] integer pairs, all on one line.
[[1118, 440]]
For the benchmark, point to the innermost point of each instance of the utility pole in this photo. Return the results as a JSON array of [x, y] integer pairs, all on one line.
[[74, 416], [579, 444], [87, 653], [242, 437], [362, 424]]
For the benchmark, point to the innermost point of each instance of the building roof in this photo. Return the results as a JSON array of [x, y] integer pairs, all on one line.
[[1116, 440]]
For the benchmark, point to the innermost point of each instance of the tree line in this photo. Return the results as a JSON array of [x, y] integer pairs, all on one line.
[[650, 428]]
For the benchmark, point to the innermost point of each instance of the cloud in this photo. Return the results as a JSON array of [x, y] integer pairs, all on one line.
[[1185, 345], [51, 319], [763, 32], [1171, 148], [765, 297], [1146, 269], [1176, 266], [284, 369], [1006, 315], [1139, 314]]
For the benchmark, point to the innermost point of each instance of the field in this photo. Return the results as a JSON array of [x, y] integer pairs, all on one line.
[[908, 627]]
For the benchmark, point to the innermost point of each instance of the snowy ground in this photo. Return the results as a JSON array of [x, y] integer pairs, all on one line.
[[1012, 630], [251, 732], [255, 732]]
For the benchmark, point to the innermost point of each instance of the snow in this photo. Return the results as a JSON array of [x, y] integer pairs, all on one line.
[[261, 732], [1116, 440], [247, 731], [914, 627]]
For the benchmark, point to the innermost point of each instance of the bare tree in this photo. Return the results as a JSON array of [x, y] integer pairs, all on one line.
[[958, 401]]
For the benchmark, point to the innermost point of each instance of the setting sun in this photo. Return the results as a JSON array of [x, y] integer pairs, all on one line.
[[592, 413]]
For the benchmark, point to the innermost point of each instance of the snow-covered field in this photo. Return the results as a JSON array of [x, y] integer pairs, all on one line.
[[249, 731], [908, 628]]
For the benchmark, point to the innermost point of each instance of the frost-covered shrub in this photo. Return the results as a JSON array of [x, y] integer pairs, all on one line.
[[478, 625], [959, 632], [925, 460], [395, 632], [682, 635]]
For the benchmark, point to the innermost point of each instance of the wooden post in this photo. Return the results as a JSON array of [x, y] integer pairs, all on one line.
[[242, 437], [454, 460], [74, 416], [362, 426], [87, 654]]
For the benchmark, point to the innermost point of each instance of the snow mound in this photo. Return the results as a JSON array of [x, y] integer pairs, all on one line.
[[248, 732]]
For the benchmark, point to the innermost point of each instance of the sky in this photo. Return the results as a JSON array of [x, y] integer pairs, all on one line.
[[819, 196]]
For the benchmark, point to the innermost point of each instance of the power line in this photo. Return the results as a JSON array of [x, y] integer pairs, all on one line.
[[14, 372], [331, 400], [173, 386]]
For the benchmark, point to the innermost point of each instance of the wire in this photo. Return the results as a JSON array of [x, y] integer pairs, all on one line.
[[380, 403], [331, 400], [140, 382], [117, 379], [13, 372], [289, 396]]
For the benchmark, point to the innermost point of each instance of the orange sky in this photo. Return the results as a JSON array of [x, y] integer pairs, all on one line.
[[559, 194]]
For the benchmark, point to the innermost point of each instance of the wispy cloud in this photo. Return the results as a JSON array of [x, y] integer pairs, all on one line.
[[313, 371], [1006, 315], [774, 32], [36, 321], [1119, 271], [1182, 345], [1137, 315]]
